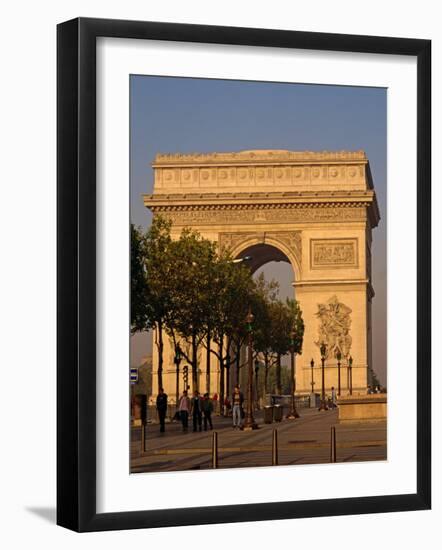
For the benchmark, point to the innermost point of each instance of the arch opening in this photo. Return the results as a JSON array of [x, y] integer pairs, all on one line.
[[275, 265], [262, 254]]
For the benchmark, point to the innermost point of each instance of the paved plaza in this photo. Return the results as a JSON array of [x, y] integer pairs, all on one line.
[[305, 440]]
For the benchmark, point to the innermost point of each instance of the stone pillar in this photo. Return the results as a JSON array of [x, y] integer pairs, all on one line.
[[334, 294]]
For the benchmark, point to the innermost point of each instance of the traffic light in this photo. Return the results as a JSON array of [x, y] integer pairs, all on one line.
[[186, 376]]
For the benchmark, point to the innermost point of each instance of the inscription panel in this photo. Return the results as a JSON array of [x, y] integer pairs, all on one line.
[[333, 253]]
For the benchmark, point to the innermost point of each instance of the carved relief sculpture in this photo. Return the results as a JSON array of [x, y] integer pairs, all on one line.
[[334, 327], [334, 253]]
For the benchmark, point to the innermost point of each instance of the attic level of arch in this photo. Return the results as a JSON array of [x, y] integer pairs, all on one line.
[[185, 186]]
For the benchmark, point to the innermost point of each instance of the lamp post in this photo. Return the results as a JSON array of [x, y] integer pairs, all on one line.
[[177, 360], [323, 405], [293, 412], [350, 375], [312, 383], [338, 357], [249, 421], [240, 260]]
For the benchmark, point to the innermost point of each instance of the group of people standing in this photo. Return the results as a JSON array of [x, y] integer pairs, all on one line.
[[200, 408], [197, 407]]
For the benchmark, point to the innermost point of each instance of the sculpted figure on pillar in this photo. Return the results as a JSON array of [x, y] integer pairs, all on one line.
[[334, 327]]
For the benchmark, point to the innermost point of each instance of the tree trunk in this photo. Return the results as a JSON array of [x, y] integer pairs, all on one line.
[[228, 368], [266, 374], [237, 363], [227, 389], [160, 346], [194, 364], [208, 363], [278, 374], [221, 379]]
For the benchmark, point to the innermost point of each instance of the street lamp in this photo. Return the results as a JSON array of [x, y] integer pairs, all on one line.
[[312, 383], [240, 260], [293, 412], [249, 421], [338, 357], [350, 374], [323, 406], [177, 361]]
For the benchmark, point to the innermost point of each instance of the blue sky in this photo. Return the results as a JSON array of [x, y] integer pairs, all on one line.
[[199, 115]]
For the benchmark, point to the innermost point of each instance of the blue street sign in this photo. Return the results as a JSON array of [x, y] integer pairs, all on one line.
[[133, 375]]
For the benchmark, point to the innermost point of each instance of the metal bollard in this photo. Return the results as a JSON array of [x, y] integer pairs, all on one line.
[[275, 447], [215, 450], [333, 444], [143, 437]]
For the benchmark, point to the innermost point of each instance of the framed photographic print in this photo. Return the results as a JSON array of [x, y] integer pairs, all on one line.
[[243, 274]]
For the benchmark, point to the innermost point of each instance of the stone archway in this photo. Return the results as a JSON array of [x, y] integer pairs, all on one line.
[[317, 209], [264, 247]]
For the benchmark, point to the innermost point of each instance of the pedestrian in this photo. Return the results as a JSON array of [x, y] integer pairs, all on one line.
[[369, 390], [196, 411], [237, 413], [162, 408], [207, 406], [334, 399], [184, 409]]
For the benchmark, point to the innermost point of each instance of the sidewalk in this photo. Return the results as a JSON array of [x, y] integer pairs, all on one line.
[[305, 440]]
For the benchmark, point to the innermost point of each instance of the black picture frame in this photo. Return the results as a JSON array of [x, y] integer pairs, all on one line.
[[76, 273]]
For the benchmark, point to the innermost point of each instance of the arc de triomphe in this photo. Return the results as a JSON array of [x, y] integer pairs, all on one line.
[[315, 210]]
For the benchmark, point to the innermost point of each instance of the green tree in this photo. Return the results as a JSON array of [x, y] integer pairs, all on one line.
[[279, 336], [232, 289], [192, 269], [266, 293], [138, 309], [156, 302], [285, 320], [296, 323]]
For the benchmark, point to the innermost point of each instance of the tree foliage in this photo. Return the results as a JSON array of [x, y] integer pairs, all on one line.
[[197, 295], [138, 311]]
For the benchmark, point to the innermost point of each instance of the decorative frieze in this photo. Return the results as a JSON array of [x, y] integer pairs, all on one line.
[[283, 177], [253, 215], [331, 253], [233, 240]]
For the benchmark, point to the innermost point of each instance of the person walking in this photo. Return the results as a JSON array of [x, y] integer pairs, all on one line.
[[184, 410], [207, 406], [237, 402], [162, 408], [196, 411]]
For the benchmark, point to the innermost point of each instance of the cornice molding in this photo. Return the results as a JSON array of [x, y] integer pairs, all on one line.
[[258, 156], [263, 202]]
